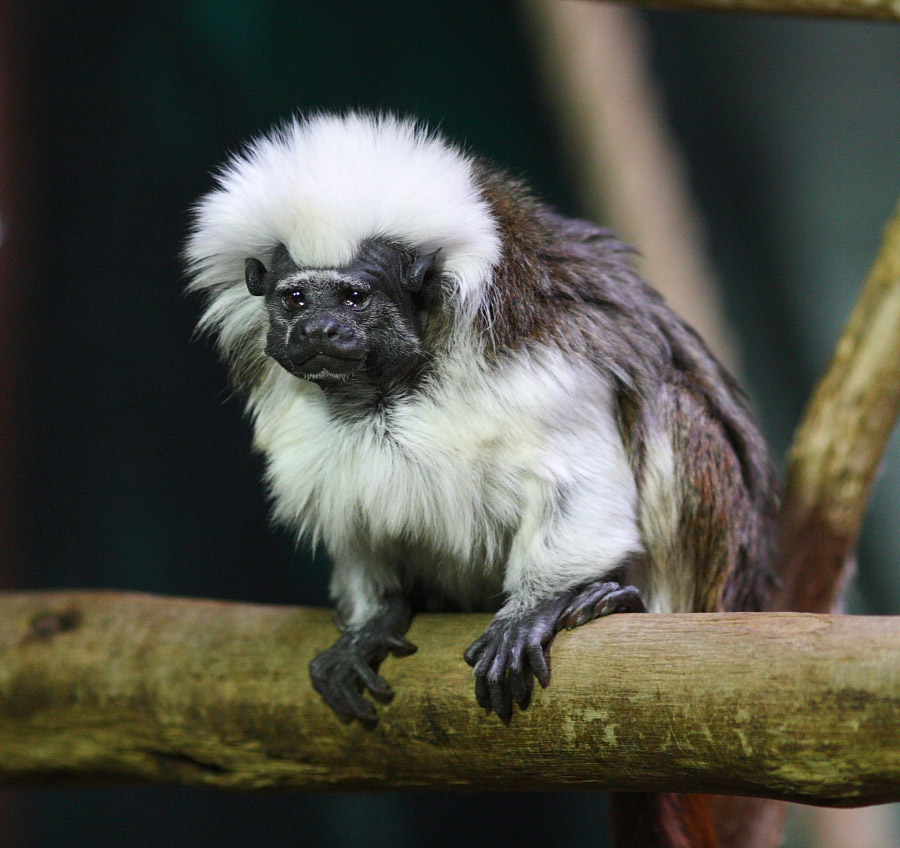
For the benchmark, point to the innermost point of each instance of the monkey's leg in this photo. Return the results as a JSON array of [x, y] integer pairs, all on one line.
[[516, 649], [341, 673]]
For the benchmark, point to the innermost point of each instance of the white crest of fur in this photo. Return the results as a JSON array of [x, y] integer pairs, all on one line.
[[321, 186]]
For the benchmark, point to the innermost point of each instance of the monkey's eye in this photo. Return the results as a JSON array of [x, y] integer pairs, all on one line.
[[355, 298], [294, 299]]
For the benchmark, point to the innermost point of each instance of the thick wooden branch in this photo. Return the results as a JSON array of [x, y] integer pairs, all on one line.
[[874, 10], [100, 685]]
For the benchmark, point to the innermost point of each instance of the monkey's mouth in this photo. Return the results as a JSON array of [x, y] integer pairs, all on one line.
[[324, 367]]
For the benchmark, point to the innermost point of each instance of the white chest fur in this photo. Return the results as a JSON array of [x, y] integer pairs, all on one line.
[[487, 478]]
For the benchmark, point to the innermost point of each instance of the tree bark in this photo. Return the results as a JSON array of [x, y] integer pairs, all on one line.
[[118, 685]]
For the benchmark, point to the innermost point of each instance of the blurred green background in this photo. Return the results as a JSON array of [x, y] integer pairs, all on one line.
[[133, 462]]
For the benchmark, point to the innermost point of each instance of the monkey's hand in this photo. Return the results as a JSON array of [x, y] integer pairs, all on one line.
[[515, 650], [341, 673]]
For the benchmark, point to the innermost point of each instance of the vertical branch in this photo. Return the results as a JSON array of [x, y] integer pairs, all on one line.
[[840, 441], [831, 466]]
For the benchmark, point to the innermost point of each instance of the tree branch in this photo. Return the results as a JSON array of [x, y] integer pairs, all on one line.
[[873, 10], [100, 685], [840, 441]]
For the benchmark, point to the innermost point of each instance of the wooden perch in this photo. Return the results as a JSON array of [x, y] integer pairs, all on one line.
[[118, 685], [873, 10]]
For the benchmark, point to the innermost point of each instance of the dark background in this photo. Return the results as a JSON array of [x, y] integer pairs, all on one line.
[[126, 462]]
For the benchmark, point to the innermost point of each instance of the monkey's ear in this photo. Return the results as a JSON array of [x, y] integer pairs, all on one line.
[[255, 275], [422, 271]]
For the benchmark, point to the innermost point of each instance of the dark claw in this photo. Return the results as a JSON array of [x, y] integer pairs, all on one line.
[[400, 646], [482, 695], [473, 652], [514, 651], [521, 677], [360, 708], [375, 683], [482, 685], [539, 659], [501, 702]]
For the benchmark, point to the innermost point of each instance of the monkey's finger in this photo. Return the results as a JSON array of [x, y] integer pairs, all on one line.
[[564, 615], [626, 599], [503, 707], [336, 697], [360, 709], [475, 650], [400, 646], [521, 687], [567, 619], [538, 659], [600, 599], [501, 702], [589, 614], [500, 696], [583, 606], [521, 678], [375, 683], [482, 690], [482, 694]]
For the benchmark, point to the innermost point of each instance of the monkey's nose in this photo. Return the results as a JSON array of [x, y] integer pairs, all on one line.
[[327, 329], [324, 335]]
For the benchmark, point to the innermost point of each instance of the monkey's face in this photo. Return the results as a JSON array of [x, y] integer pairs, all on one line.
[[363, 320]]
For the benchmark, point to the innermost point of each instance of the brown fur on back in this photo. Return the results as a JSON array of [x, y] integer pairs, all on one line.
[[569, 283]]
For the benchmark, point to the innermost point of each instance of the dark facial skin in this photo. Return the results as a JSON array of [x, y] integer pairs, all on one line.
[[354, 330]]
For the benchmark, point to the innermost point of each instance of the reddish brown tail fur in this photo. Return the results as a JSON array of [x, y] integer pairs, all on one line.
[[642, 820]]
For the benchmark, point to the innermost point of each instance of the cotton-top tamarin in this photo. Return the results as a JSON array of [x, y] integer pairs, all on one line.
[[471, 401]]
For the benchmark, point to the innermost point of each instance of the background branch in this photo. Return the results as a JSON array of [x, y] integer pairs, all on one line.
[[841, 439], [625, 164], [874, 10]]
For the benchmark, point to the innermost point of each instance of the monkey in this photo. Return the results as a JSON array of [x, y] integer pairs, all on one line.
[[472, 402]]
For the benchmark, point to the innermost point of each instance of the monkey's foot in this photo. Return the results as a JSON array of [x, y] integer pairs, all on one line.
[[341, 673], [513, 651], [598, 599]]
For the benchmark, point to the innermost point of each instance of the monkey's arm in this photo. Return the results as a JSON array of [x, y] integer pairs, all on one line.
[[569, 561], [374, 615], [516, 649]]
